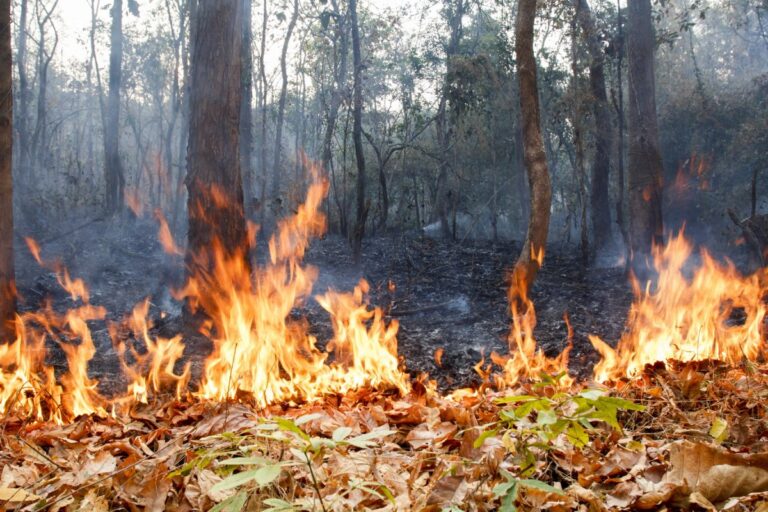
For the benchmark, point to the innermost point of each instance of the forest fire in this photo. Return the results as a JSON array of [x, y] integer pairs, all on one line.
[[259, 350], [715, 314]]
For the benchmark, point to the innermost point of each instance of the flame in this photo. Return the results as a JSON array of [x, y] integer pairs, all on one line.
[[164, 235], [525, 359], [260, 349], [717, 314], [151, 372]]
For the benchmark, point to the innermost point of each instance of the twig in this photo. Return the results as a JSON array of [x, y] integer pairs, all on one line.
[[314, 482]]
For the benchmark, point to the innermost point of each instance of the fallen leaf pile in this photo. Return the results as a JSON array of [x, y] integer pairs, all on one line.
[[689, 437]]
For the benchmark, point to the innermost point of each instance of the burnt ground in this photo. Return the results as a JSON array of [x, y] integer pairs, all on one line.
[[448, 295]]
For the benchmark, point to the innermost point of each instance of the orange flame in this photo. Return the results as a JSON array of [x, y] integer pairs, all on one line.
[[718, 314], [525, 359]]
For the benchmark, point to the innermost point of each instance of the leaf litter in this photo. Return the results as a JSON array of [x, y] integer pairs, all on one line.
[[683, 436]]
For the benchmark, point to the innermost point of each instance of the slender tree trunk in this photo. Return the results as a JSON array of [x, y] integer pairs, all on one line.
[[442, 201], [214, 182], [7, 276], [263, 110], [577, 115], [115, 180], [246, 107], [189, 14], [529, 261], [357, 135], [276, 169], [599, 195], [337, 95], [645, 166], [22, 112], [621, 122]]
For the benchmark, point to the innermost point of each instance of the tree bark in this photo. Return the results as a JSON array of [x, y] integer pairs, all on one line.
[[115, 181], [599, 196], [281, 103], [214, 182], [645, 166], [357, 135], [246, 106], [7, 276], [529, 261]]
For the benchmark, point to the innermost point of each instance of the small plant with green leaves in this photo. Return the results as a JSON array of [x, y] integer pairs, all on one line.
[[533, 423]]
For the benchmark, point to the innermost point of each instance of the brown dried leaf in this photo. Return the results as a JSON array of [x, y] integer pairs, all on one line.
[[714, 472]]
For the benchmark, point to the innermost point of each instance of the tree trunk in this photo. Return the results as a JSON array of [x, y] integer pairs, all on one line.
[[645, 166], [263, 109], [599, 196], [442, 121], [357, 135], [214, 182], [281, 103], [246, 107], [338, 90], [619, 105], [577, 115], [115, 180], [22, 113], [529, 261], [7, 276]]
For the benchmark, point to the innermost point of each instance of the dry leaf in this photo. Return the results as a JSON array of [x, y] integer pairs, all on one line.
[[17, 496], [716, 474]]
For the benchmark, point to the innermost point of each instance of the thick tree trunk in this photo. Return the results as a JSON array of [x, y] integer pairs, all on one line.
[[276, 168], [599, 196], [645, 166], [214, 182], [115, 180], [7, 276], [357, 135], [529, 261], [246, 107]]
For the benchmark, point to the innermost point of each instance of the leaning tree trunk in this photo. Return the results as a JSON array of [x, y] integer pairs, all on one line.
[[214, 182], [7, 279], [281, 103], [529, 261], [115, 181], [599, 197], [357, 135], [645, 166]]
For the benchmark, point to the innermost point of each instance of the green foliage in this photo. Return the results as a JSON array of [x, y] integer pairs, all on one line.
[[536, 422]]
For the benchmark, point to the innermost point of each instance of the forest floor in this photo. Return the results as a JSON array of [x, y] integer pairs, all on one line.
[[448, 296], [678, 437]]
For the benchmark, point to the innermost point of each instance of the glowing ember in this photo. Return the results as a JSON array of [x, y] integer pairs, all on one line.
[[717, 314]]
